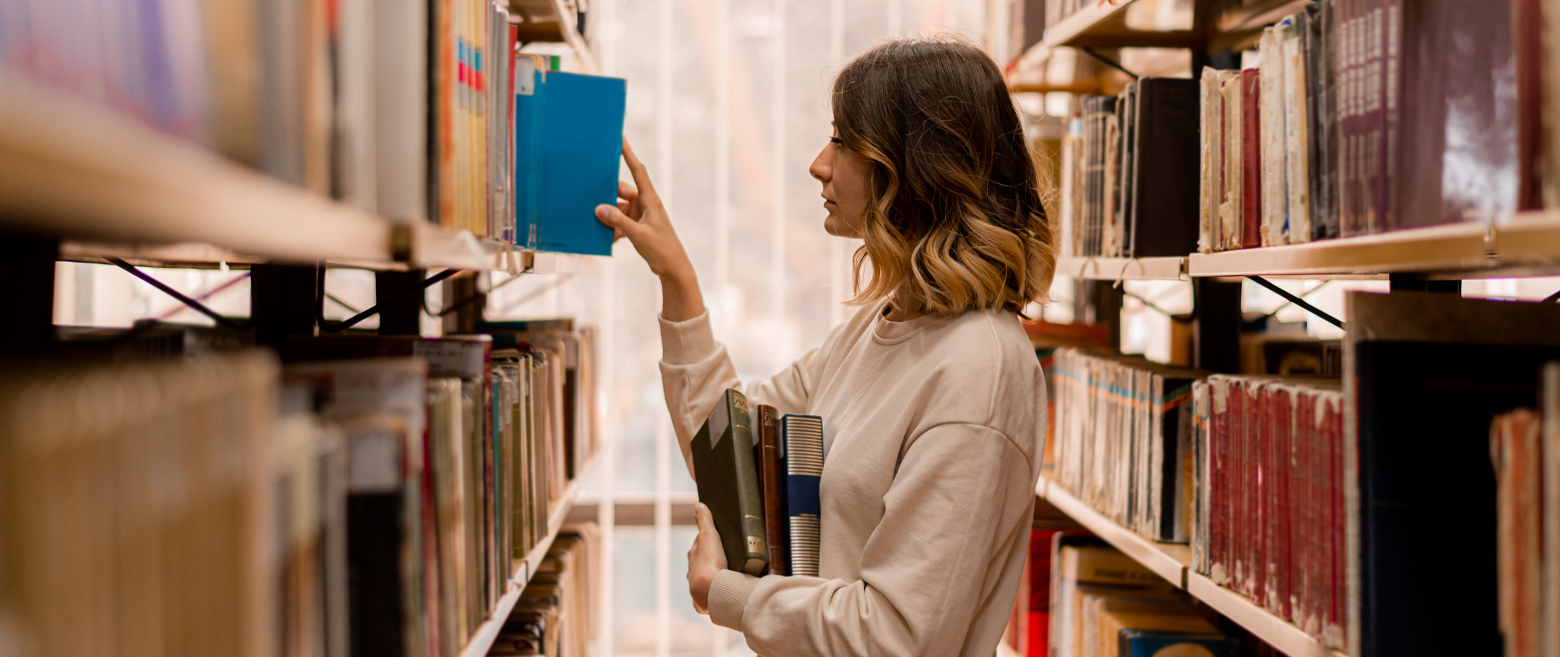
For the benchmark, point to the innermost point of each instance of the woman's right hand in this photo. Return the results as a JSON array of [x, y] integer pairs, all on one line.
[[641, 217]]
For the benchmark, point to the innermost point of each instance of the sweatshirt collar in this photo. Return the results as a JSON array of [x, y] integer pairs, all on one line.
[[886, 332]]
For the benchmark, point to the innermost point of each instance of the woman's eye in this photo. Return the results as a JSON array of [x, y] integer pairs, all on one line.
[[837, 140]]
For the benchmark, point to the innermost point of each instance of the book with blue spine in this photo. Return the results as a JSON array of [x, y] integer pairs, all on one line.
[[1151, 643], [568, 140], [802, 438]]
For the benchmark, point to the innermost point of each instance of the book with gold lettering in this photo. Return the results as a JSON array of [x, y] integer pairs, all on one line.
[[728, 483]]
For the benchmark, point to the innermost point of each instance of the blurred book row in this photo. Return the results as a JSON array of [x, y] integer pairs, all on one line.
[[370, 496], [413, 110]]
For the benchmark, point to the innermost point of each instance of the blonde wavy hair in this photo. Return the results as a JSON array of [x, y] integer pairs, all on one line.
[[954, 214]]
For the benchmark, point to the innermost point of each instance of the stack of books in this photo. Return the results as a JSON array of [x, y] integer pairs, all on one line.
[[761, 485]]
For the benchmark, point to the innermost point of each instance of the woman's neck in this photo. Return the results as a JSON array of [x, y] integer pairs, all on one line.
[[903, 308]]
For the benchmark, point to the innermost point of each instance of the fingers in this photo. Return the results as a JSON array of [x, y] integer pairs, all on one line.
[[627, 192], [701, 516], [611, 216], [637, 169]]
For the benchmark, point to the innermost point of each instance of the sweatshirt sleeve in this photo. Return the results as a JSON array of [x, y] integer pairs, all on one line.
[[960, 499], [696, 371]]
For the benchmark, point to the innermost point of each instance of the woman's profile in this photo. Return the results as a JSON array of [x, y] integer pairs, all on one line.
[[932, 399]]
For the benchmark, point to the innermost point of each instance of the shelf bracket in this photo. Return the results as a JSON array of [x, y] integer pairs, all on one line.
[[337, 327], [1297, 301], [194, 305]]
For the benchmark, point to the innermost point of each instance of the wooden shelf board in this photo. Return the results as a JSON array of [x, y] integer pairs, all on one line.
[[1453, 247], [1131, 269], [1277, 632], [1168, 560], [1103, 25], [76, 170], [487, 633]]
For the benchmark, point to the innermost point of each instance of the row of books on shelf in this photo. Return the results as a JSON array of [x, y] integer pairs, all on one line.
[[1081, 597], [758, 473], [415, 110], [1351, 507], [1354, 117], [370, 496], [554, 616]]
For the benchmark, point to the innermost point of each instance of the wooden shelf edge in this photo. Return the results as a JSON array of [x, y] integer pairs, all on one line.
[[1067, 30], [487, 633], [1277, 632], [1149, 553], [1131, 269]]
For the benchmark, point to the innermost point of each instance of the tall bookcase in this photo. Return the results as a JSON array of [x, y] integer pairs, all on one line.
[[1431, 259], [83, 183]]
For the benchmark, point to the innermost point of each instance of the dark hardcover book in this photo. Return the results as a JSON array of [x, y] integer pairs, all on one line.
[[1426, 373], [1152, 643], [1164, 183], [1126, 119], [1173, 435], [1250, 159], [727, 477], [1319, 115], [771, 482], [802, 436], [1458, 157]]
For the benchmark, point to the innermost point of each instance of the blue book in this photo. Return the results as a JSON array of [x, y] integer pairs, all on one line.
[[568, 142], [1151, 643], [801, 440]]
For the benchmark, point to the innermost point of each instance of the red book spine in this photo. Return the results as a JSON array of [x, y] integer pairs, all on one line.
[[1250, 159], [1217, 462], [1338, 587], [1343, 54], [1283, 543], [1300, 534], [1263, 489], [1240, 518]]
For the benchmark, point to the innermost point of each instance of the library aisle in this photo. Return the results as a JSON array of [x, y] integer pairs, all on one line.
[[315, 349]]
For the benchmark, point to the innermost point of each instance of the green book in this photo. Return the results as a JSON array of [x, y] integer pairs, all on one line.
[[728, 483]]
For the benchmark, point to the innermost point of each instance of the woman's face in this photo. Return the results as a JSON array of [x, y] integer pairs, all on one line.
[[843, 173]]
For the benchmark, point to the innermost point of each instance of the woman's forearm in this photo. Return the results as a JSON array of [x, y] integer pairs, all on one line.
[[680, 296]]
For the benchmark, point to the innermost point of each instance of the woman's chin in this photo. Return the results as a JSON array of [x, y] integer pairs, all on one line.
[[834, 226]]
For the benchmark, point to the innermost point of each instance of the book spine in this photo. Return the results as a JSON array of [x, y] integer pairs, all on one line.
[[772, 479], [1251, 160], [803, 438], [750, 501]]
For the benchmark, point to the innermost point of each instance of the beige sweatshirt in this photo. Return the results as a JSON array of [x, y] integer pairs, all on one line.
[[932, 434]]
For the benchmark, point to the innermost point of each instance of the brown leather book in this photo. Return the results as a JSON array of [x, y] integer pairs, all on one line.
[[771, 482], [1251, 160]]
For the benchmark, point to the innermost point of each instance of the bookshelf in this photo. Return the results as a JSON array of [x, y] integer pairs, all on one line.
[[1170, 561], [488, 632]]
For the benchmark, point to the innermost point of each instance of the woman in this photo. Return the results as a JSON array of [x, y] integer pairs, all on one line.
[[932, 399]]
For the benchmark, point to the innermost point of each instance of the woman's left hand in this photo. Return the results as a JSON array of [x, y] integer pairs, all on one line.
[[705, 559]]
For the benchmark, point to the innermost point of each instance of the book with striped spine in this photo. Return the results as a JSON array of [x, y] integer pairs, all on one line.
[[802, 437]]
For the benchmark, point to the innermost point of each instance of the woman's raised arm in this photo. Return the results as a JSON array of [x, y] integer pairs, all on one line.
[[641, 217]]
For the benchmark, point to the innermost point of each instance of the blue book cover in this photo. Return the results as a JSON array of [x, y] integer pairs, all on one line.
[[1149, 643], [568, 142], [801, 439]]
